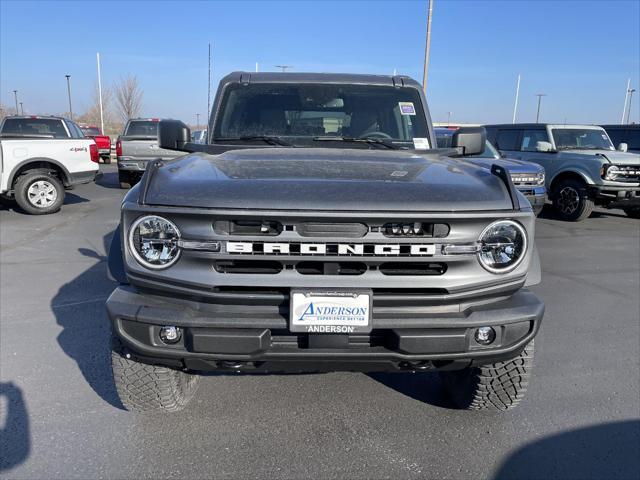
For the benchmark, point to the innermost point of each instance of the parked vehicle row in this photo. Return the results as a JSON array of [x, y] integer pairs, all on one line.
[[582, 166], [40, 158]]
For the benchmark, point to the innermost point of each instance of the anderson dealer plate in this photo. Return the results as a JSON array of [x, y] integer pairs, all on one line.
[[330, 311]]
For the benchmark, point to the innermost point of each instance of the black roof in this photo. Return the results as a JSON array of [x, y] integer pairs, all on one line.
[[307, 77], [519, 125], [621, 126]]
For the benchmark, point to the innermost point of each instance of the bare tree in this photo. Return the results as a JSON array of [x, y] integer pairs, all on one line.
[[128, 96]]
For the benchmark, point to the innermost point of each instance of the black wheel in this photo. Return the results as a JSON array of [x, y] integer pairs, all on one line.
[[106, 160], [39, 193], [124, 178], [633, 212], [497, 386], [147, 388], [571, 200]]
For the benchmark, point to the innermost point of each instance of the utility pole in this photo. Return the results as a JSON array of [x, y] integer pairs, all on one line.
[[21, 109], [15, 94], [629, 109], [427, 48], [283, 67], [69, 93], [197, 121], [100, 94], [449, 118], [539, 95], [515, 105], [209, 86]]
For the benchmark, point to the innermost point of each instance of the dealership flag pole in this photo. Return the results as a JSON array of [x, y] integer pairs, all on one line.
[[515, 105], [427, 48], [209, 87], [100, 95], [626, 96]]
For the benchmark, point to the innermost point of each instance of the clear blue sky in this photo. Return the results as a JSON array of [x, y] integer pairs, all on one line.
[[580, 53]]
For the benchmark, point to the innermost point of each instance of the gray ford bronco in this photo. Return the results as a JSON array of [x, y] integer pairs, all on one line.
[[319, 230]]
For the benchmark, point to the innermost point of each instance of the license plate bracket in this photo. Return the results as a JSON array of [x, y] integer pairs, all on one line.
[[334, 311]]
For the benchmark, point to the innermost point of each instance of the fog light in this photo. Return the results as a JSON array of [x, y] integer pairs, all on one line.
[[485, 335], [171, 334]]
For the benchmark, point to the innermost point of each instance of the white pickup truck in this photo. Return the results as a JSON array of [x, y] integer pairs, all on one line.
[[40, 157]]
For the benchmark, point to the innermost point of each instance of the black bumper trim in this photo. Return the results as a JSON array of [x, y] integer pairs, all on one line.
[[414, 337]]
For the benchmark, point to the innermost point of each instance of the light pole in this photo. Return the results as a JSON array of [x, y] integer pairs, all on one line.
[[539, 95], [197, 121], [449, 118], [21, 109], [630, 103], [15, 94], [427, 48], [515, 104], [69, 93], [283, 67]]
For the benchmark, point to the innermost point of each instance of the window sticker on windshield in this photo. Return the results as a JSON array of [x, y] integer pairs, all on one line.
[[421, 143], [407, 108]]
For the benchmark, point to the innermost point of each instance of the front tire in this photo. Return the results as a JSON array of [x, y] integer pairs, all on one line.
[[633, 212], [39, 193], [147, 388], [571, 200], [497, 386]]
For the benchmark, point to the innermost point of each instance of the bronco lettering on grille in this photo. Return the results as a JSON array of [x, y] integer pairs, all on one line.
[[348, 249]]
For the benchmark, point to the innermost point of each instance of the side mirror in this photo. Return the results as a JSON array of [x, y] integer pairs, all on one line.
[[544, 147], [470, 140], [623, 147], [173, 135]]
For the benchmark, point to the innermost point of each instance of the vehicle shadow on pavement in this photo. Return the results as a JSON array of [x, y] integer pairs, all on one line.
[[549, 213], [608, 450], [79, 308], [15, 437], [109, 180], [422, 386]]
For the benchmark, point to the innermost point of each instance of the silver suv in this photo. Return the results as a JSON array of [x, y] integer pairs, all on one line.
[[582, 166]]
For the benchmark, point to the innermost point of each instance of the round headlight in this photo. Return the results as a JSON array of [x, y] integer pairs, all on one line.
[[153, 242], [540, 178], [503, 245], [612, 172]]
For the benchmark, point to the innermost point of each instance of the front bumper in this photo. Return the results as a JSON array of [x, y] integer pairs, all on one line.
[[230, 336], [616, 197], [537, 197]]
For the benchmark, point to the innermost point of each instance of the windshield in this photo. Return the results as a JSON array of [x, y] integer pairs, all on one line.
[[581, 139], [90, 131], [304, 112], [142, 128], [489, 151]]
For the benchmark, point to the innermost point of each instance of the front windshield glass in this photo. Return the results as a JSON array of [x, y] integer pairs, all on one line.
[[302, 112], [489, 151], [581, 139]]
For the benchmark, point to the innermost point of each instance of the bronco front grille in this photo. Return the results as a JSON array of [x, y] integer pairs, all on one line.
[[273, 267]]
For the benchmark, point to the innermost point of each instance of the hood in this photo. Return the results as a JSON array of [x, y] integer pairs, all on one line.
[[511, 164], [325, 179], [613, 156]]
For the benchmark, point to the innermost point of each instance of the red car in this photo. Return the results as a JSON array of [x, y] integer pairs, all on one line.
[[103, 141]]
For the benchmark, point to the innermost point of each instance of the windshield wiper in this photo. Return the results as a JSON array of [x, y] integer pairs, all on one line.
[[370, 141], [265, 138]]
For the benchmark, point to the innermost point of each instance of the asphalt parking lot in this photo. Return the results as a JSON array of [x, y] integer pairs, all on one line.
[[60, 417]]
